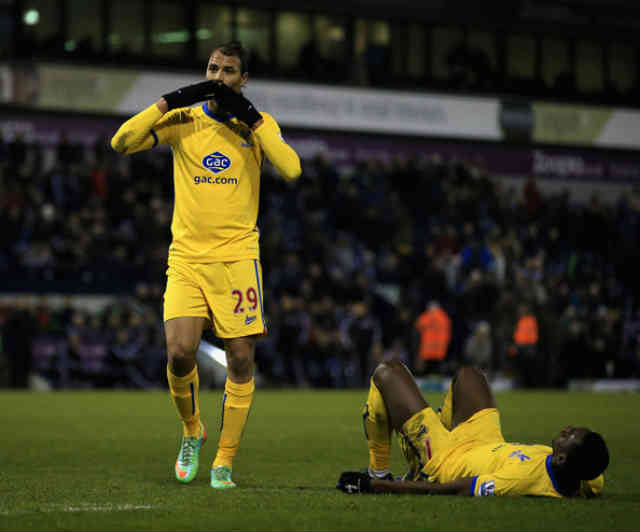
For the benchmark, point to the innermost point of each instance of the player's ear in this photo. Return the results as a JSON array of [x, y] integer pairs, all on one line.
[[244, 78], [559, 459]]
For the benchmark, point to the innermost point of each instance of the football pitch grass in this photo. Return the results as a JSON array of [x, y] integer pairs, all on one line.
[[103, 460]]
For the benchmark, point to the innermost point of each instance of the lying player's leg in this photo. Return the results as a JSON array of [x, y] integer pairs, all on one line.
[[400, 392], [377, 431], [471, 393], [422, 433]]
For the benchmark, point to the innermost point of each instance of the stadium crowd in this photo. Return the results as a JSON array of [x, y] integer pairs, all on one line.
[[350, 260]]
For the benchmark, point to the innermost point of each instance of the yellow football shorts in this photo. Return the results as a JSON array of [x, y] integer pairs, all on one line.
[[228, 294], [427, 445]]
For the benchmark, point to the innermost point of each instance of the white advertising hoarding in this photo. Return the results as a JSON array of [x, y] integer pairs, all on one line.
[[123, 91]]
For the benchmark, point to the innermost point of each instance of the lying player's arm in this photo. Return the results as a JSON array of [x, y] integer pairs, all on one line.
[[281, 155], [460, 486], [354, 482], [136, 133]]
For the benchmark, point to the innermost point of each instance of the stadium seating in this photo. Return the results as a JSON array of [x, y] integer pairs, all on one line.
[[386, 238]]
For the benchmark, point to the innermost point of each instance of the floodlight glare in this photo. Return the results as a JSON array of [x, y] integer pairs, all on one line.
[[31, 17]]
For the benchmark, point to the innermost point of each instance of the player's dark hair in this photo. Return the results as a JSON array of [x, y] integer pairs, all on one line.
[[235, 48], [589, 459]]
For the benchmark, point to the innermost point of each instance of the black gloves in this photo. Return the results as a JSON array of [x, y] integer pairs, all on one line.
[[198, 92], [354, 482], [228, 100], [236, 104]]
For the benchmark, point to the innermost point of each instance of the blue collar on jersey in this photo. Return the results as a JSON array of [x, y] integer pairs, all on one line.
[[207, 111], [553, 477]]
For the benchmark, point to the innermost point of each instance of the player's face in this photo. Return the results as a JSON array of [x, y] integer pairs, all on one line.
[[226, 68], [568, 438]]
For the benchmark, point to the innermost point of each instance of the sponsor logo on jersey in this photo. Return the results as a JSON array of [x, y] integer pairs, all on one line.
[[216, 162], [486, 488], [202, 179], [519, 454], [249, 320]]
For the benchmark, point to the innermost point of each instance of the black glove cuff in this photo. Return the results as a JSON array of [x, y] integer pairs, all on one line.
[[251, 116], [190, 94], [174, 99]]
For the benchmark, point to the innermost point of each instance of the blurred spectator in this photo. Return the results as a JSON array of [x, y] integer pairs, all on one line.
[[532, 197], [349, 255], [629, 363], [127, 343], [293, 330], [526, 353], [434, 326], [17, 337], [478, 349], [361, 336], [17, 154], [89, 351], [68, 152]]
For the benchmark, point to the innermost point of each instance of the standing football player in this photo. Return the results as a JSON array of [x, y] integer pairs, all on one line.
[[214, 277]]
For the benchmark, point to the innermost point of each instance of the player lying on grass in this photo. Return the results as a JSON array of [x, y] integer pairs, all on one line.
[[461, 450]]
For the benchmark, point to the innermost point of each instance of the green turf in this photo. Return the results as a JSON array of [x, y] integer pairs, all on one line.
[[104, 461]]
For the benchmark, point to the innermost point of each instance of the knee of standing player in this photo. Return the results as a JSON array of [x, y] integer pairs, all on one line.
[[179, 351]]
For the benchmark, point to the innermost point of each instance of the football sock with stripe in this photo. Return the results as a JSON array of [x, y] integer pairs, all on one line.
[[377, 431], [235, 411], [184, 394]]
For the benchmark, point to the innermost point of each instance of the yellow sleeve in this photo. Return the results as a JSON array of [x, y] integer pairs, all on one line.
[[135, 134], [281, 155], [146, 130], [520, 480]]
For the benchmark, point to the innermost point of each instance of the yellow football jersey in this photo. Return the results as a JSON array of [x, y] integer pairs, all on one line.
[[216, 183], [506, 469]]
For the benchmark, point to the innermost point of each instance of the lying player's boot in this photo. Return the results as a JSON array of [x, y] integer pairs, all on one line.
[[189, 457], [221, 478]]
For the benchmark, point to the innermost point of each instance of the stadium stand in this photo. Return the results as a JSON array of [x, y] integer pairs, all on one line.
[[350, 261], [351, 256]]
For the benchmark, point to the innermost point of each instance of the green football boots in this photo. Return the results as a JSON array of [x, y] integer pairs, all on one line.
[[189, 457], [221, 478]]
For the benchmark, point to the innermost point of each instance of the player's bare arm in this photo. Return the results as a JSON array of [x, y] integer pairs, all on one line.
[[460, 486], [356, 482]]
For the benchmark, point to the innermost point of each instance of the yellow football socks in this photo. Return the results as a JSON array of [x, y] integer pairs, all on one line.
[[235, 410], [446, 412], [377, 430], [184, 394]]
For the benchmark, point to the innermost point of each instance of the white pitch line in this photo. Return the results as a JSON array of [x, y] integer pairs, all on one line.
[[81, 507]]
